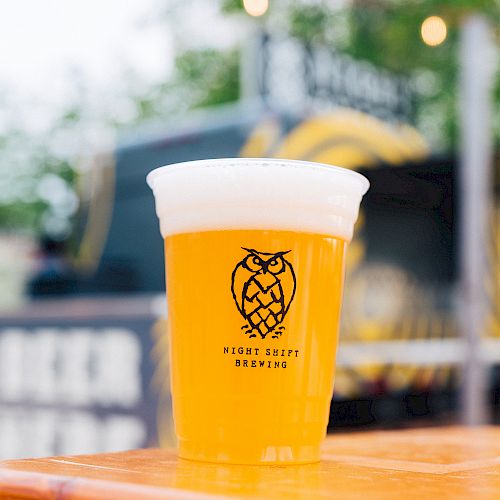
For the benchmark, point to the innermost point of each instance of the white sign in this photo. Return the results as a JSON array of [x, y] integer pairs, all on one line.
[[52, 380]]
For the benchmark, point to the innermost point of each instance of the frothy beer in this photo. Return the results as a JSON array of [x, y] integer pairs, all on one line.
[[254, 252]]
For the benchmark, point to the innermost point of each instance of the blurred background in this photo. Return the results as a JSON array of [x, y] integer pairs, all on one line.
[[94, 94]]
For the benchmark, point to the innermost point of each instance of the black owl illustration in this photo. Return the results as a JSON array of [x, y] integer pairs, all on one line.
[[263, 286]]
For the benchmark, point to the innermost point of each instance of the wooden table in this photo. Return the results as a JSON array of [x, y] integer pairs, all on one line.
[[452, 462]]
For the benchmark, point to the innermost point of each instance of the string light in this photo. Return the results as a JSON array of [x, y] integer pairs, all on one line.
[[256, 8], [433, 31]]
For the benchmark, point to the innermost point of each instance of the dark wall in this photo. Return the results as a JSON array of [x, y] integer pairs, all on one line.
[[410, 220], [133, 254]]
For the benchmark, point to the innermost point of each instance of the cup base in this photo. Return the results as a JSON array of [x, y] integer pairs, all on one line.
[[238, 453]]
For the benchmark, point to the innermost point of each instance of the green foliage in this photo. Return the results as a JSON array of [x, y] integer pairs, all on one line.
[[27, 162], [23, 214], [212, 77], [309, 22], [387, 34], [391, 39], [232, 6]]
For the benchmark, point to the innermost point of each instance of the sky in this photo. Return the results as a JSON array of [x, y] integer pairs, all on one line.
[[42, 41], [48, 48]]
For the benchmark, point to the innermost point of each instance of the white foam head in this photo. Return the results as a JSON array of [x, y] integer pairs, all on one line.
[[257, 193]]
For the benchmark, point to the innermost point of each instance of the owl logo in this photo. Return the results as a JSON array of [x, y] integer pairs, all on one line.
[[263, 286]]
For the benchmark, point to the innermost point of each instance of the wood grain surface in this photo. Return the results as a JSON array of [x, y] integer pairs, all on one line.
[[451, 462]]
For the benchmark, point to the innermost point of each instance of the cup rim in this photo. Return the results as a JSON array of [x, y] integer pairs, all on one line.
[[236, 162]]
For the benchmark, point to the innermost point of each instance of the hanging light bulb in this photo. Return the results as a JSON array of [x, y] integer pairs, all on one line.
[[256, 8], [433, 31]]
